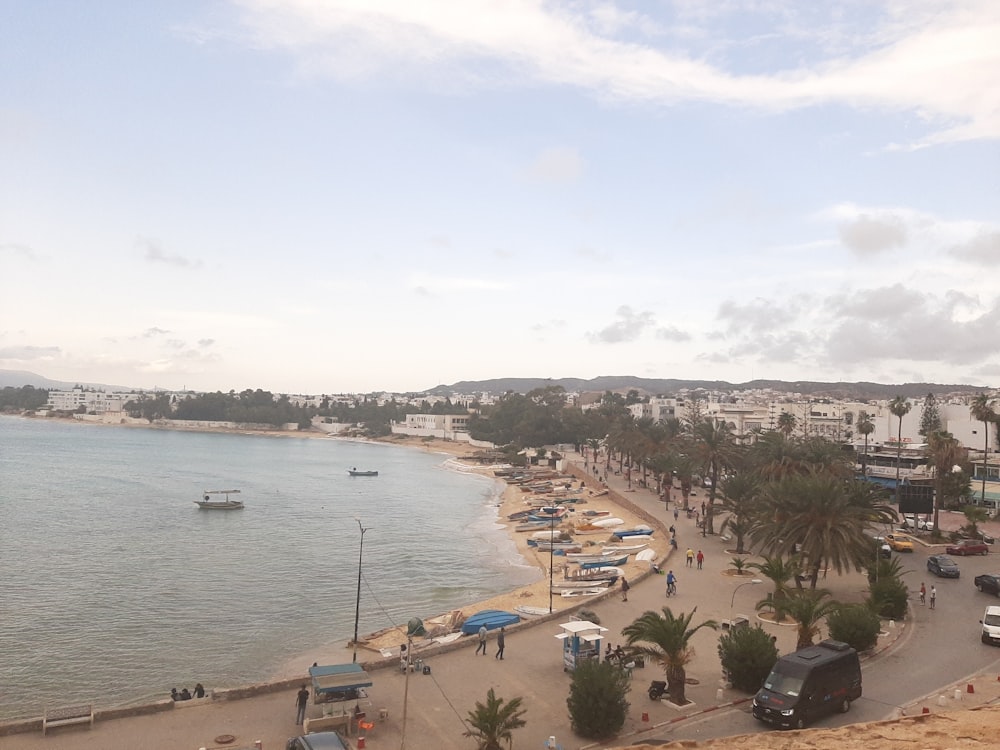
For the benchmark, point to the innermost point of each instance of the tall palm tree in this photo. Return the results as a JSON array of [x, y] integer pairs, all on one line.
[[982, 409], [715, 447], [786, 423], [943, 452], [666, 639], [740, 493], [823, 517], [899, 407], [494, 721], [808, 609], [866, 427]]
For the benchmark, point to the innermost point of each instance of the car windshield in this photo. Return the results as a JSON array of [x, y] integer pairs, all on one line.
[[946, 562], [993, 620], [785, 684]]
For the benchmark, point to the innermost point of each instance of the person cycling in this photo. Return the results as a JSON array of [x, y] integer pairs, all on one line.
[[671, 583]]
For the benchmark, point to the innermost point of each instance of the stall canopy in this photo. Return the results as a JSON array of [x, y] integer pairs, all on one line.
[[339, 678]]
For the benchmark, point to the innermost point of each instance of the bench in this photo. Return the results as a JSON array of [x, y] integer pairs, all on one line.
[[65, 715]]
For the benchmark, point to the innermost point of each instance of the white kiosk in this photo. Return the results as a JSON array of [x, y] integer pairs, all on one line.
[[581, 641]]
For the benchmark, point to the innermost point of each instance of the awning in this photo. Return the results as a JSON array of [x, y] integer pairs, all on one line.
[[339, 677]]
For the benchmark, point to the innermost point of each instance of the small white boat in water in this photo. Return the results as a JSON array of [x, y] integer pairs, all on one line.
[[210, 503]]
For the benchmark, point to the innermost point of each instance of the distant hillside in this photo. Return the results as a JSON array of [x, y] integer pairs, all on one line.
[[18, 378], [669, 386]]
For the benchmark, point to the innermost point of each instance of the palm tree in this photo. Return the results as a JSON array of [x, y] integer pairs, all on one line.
[[982, 410], [786, 423], [739, 497], [899, 407], [943, 452], [715, 447], [866, 427], [808, 609], [822, 515], [666, 639], [495, 721], [780, 572]]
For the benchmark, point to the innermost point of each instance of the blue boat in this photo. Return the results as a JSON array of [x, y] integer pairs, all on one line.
[[639, 531], [491, 618], [609, 561]]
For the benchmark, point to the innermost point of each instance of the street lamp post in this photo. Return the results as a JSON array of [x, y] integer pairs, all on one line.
[[552, 526], [357, 603], [751, 582]]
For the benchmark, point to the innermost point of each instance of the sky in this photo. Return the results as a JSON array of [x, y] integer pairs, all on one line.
[[326, 196]]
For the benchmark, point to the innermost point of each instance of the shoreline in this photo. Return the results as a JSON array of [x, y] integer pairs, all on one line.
[[509, 500]]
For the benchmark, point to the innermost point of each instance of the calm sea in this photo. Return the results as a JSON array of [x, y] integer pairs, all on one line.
[[115, 586]]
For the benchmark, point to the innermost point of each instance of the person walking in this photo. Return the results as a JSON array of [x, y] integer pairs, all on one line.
[[301, 700], [500, 644], [933, 596], [676, 513], [482, 640], [923, 594], [700, 558], [690, 557], [625, 588]]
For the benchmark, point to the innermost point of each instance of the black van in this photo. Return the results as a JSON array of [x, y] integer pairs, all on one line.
[[808, 684]]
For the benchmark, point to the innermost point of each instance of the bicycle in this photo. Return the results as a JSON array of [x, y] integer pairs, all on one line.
[[671, 589]]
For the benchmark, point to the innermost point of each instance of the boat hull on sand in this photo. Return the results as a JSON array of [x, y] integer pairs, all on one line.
[[491, 618]]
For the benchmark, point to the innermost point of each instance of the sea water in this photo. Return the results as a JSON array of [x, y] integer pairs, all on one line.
[[115, 586]]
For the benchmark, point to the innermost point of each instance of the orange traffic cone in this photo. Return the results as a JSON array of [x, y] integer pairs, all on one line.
[[970, 688], [925, 710]]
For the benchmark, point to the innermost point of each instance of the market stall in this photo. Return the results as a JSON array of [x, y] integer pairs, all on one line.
[[581, 641]]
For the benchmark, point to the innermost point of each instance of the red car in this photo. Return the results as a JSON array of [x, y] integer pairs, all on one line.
[[968, 547]]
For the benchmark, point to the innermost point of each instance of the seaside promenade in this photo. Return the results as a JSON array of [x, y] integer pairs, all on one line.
[[432, 707]]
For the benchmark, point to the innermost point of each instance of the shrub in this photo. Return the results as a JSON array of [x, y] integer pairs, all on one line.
[[855, 625], [589, 615], [888, 598], [597, 705], [747, 655]]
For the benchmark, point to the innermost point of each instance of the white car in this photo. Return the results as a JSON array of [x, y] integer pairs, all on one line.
[[991, 625]]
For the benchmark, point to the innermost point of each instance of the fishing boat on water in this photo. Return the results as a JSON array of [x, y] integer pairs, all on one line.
[[354, 472], [208, 502]]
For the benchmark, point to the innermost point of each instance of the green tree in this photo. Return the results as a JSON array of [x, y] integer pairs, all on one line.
[[943, 452], [982, 410], [495, 721], [930, 416], [888, 597], [740, 498], [781, 573], [786, 423], [747, 656], [597, 699], [899, 407], [865, 427], [716, 449], [822, 517], [855, 625], [666, 640], [808, 609]]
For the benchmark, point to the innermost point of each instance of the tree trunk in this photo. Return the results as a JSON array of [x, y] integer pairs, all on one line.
[[676, 679]]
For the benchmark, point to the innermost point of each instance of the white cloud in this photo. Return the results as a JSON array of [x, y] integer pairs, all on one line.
[[941, 65], [867, 235]]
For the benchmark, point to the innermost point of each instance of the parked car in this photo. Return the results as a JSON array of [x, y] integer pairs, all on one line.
[[883, 549], [968, 547], [988, 583], [317, 741], [991, 625], [899, 543], [912, 522], [942, 565]]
